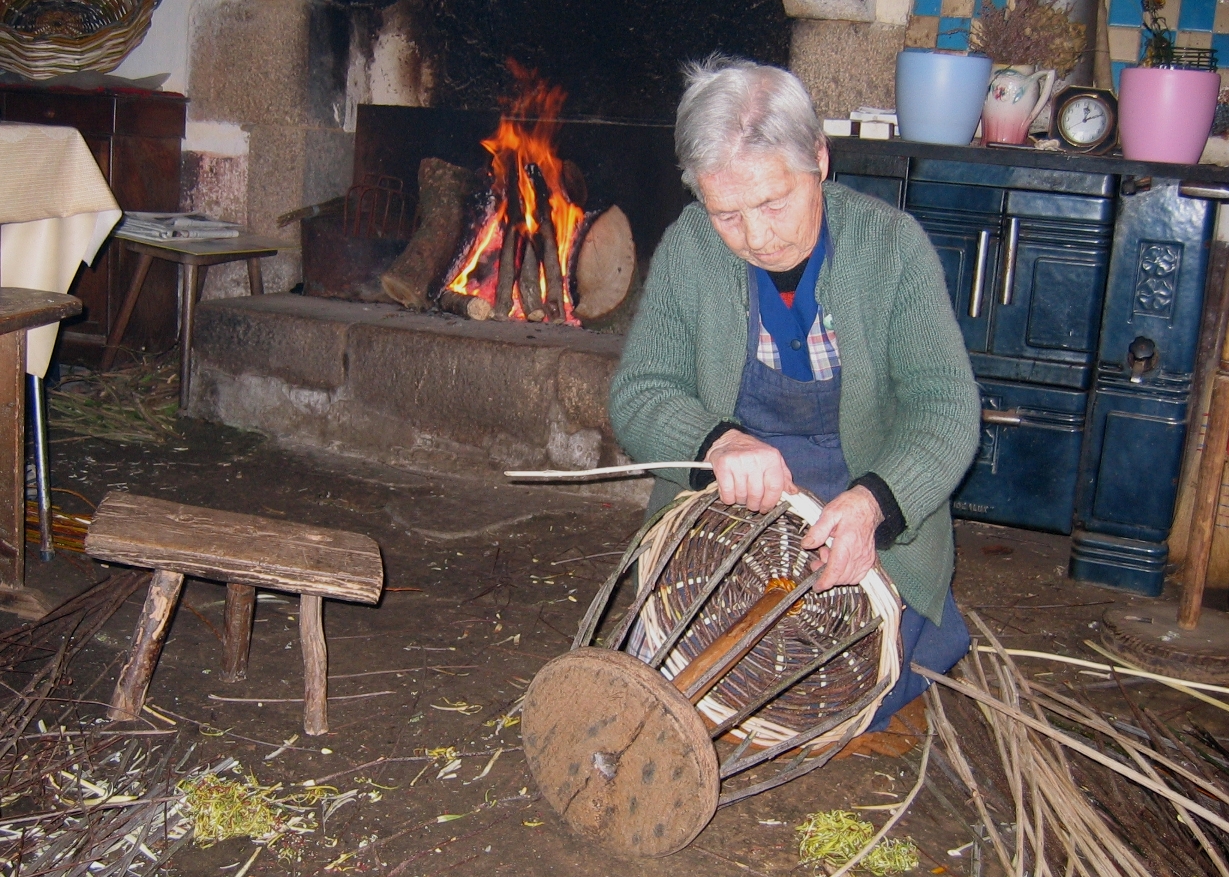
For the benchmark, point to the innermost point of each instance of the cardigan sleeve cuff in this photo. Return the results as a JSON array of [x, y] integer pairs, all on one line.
[[702, 478], [893, 523]]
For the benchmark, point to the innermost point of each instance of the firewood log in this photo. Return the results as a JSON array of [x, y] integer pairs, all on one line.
[[553, 274], [507, 272], [439, 226], [529, 285], [471, 306], [607, 279], [574, 184]]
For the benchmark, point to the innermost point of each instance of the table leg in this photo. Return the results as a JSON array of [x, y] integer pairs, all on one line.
[[256, 282], [38, 427], [125, 313], [193, 278], [12, 459]]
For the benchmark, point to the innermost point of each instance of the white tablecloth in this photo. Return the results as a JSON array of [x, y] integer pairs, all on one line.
[[55, 213]]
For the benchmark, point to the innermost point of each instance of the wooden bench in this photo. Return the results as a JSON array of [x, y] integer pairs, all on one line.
[[246, 552]]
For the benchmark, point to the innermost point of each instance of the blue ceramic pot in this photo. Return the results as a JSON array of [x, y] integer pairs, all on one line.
[[939, 96]]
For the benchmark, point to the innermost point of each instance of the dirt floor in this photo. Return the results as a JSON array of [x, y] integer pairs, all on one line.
[[485, 582]]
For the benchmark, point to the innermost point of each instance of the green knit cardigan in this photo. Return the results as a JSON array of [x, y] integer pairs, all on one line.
[[909, 409]]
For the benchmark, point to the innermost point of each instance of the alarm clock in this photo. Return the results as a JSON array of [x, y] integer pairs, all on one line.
[[1085, 119]]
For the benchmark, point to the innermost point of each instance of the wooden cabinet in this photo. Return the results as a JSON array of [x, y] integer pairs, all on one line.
[[135, 137]]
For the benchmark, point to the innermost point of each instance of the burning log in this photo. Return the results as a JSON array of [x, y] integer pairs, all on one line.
[[549, 241], [507, 272], [574, 185], [509, 251], [472, 306], [517, 258], [440, 223], [529, 286], [607, 281]]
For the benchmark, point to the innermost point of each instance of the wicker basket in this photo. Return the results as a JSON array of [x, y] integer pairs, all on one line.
[[823, 620], [44, 38]]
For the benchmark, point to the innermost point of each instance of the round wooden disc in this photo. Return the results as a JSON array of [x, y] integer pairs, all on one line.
[[1152, 638], [619, 753]]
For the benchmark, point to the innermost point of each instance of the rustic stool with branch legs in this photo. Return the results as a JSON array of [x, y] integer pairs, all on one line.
[[246, 552]]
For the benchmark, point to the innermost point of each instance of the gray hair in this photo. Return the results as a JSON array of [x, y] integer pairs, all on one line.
[[733, 107]]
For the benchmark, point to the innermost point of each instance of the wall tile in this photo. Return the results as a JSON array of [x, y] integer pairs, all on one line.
[[922, 32], [1221, 24], [1194, 39], [1197, 15], [1117, 67], [957, 8], [927, 7], [1220, 42], [1124, 44], [1126, 13], [953, 33]]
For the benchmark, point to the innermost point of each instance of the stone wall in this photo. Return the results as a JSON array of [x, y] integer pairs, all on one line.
[[273, 88], [844, 51]]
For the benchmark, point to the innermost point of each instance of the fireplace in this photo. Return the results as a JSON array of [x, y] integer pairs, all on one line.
[[630, 165], [372, 379]]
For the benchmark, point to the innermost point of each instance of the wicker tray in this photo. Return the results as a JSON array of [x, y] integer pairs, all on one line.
[[44, 38]]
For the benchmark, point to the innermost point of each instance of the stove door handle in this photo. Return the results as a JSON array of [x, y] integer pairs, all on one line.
[[1009, 261], [1004, 417], [979, 273]]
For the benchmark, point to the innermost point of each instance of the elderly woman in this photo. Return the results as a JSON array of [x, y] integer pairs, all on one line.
[[795, 333]]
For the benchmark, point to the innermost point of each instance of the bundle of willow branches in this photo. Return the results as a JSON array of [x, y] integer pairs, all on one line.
[[1086, 794]]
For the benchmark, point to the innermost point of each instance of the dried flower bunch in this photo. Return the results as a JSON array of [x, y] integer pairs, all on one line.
[[1158, 47], [1029, 32]]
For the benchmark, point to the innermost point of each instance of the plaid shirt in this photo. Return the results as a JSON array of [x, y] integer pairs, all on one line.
[[821, 344]]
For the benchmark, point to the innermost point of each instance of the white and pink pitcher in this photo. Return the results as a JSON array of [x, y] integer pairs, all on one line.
[[1015, 98]]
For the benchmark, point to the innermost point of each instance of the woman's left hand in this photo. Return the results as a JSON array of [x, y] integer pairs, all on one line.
[[850, 521]]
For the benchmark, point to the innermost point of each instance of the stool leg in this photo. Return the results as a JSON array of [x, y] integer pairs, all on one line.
[[125, 313], [237, 631], [38, 413], [315, 665], [146, 646]]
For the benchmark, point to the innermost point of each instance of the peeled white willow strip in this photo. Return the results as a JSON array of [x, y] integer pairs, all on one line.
[[1106, 668], [564, 474], [1183, 686], [802, 505]]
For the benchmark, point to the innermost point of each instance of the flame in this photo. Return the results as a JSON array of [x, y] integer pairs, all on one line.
[[525, 137]]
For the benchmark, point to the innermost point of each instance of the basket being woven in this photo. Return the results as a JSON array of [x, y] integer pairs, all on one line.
[[44, 38], [820, 621]]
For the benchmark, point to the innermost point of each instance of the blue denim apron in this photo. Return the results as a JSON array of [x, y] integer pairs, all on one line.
[[800, 419]]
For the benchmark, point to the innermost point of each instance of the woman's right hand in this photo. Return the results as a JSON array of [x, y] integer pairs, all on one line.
[[749, 472]]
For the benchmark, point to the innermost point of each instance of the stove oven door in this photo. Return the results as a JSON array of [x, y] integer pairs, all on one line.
[[1026, 469]]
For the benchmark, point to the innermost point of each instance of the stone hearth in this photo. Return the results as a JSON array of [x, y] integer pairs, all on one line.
[[411, 390]]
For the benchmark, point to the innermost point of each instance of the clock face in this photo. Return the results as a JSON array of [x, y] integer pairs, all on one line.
[[1084, 120]]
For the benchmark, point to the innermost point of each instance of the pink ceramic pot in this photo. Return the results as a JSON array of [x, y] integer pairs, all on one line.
[[1166, 114]]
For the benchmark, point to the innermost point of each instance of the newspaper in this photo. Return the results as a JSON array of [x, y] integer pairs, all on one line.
[[175, 226]]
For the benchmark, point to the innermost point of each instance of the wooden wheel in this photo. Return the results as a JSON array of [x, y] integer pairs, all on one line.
[[619, 753]]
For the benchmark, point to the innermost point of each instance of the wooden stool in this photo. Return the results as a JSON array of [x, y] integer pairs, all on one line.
[[194, 258], [246, 552]]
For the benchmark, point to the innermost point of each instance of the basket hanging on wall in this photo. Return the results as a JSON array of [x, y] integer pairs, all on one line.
[[44, 38]]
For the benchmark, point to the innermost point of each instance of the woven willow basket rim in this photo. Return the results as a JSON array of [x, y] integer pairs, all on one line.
[[41, 57], [880, 592]]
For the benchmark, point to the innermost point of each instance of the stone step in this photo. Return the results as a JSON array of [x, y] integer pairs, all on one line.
[[412, 390]]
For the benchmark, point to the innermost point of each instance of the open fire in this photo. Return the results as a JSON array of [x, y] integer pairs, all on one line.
[[518, 260]]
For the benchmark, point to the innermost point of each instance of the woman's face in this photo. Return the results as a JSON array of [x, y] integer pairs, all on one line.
[[767, 213]]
